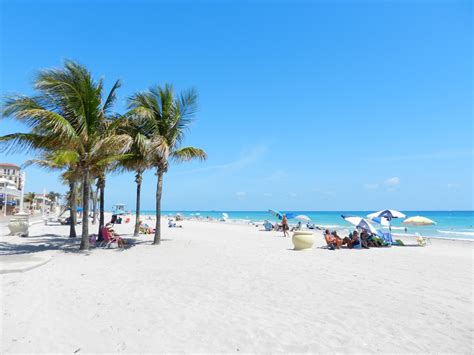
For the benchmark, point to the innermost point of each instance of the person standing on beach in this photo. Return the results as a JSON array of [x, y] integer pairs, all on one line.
[[284, 226]]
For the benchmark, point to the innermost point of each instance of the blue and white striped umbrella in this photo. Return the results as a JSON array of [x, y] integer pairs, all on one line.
[[388, 214], [277, 214]]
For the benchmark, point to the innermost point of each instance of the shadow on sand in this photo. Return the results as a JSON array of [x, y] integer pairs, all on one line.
[[37, 244]]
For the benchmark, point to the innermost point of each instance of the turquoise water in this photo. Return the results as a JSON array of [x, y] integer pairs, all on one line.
[[449, 224]]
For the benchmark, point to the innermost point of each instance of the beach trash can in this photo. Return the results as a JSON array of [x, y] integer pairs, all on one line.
[[19, 224], [303, 240]]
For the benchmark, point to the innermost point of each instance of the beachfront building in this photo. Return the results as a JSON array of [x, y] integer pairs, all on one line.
[[11, 172], [10, 188]]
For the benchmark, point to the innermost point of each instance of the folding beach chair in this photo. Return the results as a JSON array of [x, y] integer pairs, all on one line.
[[386, 238], [107, 238]]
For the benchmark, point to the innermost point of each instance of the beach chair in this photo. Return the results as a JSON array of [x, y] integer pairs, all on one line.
[[386, 238], [108, 239], [420, 240]]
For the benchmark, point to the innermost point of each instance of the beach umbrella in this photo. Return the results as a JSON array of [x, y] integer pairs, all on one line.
[[360, 222], [290, 215], [225, 215], [388, 214], [418, 221], [381, 220], [303, 218], [276, 214]]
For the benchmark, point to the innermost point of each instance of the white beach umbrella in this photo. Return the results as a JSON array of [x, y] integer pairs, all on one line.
[[388, 214], [360, 222], [418, 221], [225, 215], [303, 218], [381, 220]]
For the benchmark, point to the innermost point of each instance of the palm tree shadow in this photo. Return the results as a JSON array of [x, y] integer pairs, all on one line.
[[37, 244]]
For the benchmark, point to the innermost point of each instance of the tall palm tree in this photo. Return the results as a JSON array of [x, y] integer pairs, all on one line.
[[168, 118], [138, 158], [69, 114]]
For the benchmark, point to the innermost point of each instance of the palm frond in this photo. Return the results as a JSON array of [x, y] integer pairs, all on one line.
[[111, 97], [188, 153], [23, 142]]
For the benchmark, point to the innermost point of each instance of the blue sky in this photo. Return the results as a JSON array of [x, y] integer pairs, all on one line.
[[302, 105]]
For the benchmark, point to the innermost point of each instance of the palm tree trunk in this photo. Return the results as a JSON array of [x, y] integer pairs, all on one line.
[[85, 210], [94, 204], [138, 179], [73, 209], [101, 186], [159, 188]]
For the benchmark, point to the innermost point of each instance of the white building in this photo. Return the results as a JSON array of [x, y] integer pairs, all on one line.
[[11, 172], [9, 196]]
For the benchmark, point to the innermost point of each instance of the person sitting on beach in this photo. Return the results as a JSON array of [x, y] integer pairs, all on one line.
[[337, 238], [145, 228], [285, 226], [332, 240], [172, 224], [267, 225], [114, 237], [351, 240], [364, 238], [297, 227]]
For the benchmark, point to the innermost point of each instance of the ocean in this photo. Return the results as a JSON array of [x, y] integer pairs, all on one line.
[[449, 224]]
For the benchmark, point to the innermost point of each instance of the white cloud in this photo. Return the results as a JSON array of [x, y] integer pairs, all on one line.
[[393, 181]]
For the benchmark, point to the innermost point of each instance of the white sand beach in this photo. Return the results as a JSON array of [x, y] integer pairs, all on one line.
[[217, 287]]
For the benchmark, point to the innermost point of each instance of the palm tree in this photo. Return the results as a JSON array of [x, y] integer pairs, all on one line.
[[168, 118], [138, 158], [53, 196], [70, 115], [29, 197]]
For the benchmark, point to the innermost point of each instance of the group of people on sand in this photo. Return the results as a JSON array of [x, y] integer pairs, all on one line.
[[364, 239]]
